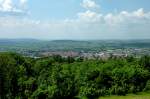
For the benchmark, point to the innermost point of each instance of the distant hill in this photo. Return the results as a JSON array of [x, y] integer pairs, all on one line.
[[44, 45]]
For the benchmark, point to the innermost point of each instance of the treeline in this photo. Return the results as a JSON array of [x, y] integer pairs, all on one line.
[[68, 78]]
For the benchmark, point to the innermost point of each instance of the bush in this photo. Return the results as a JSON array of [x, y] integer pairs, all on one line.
[[147, 87]]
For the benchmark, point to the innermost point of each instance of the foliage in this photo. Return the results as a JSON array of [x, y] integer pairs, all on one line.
[[67, 78]]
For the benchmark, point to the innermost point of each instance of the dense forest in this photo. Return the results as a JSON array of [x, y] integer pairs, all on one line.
[[71, 78]]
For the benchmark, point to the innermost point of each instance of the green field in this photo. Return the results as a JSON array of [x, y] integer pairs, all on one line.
[[142, 95]]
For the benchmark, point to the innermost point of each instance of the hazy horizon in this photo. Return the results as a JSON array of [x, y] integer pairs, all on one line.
[[75, 19], [103, 39]]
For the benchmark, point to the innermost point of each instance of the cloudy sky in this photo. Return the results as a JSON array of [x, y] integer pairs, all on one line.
[[75, 19]]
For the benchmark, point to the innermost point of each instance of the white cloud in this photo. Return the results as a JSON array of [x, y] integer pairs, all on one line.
[[8, 7], [89, 16], [23, 2], [128, 17], [139, 12], [89, 4]]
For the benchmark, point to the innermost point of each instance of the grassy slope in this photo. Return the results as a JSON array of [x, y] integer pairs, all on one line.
[[143, 95]]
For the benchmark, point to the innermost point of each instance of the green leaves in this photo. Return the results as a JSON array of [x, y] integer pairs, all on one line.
[[67, 78]]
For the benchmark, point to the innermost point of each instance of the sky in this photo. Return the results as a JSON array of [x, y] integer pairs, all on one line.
[[75, 19]]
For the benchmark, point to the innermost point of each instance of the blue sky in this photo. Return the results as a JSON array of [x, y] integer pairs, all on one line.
[[75, 19], [61, 9]]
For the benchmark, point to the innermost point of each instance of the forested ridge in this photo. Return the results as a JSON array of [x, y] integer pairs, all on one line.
[[69, 78]]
